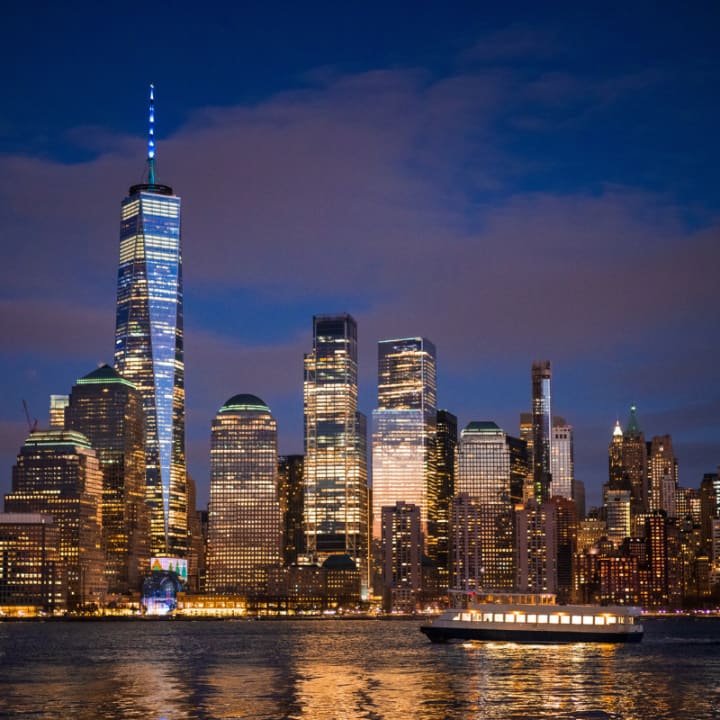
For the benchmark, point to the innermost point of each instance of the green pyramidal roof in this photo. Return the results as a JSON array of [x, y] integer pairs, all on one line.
[[244, 403], [481, 426], [102, 376], [633, 426]]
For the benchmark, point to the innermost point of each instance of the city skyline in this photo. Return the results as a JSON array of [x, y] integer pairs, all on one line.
[[416, 185]]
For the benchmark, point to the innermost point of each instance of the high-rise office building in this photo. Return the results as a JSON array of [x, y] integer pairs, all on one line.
[[542, 430], [635, 464], [107, 409], [58, 474], [484, 475], [536, 531], [58, 403], [404, 432], [617, 478], [402, 544], [445, 463], [336, 491], [617, 514], [244, 534], [32, 573], [662, 475], [562, 459], [526, 435], [291, 484], [149, 345]]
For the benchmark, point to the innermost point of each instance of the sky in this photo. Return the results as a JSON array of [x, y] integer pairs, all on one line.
[[530, 181]]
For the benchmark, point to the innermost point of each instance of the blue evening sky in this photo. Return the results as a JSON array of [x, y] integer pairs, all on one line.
[[528, 181]]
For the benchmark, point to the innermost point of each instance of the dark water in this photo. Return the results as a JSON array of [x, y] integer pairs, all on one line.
[[320, 669]]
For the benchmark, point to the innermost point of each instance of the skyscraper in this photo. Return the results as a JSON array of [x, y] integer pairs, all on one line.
[[663, 475], [402, 543], [404, 431], [484, 475], [635, 464], [562, 459], [542, 430], [244, 534], [58, 474], [445, 462], [149, 345], [336, 491], [107, 409], [291, 485]]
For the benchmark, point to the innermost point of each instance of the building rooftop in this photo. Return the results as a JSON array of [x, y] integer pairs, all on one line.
[[244, 403], [103, 376], [482, 426]]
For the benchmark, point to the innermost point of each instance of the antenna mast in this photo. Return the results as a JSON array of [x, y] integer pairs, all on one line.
[[151, 137]]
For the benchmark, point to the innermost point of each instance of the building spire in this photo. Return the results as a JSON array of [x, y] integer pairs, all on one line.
[[633, 426], [151, 137]]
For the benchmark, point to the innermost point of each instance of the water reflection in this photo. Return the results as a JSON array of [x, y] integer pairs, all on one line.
[[331, 670]]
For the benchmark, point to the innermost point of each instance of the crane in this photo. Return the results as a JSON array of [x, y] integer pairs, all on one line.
[[32, 424]]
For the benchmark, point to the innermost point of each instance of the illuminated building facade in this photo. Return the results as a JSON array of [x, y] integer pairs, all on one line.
[[402, 543], [292, 497], [245, 535], [526, 435], [31, 571], [107, 409], [562, 459], [566, 538], [484, 475], [149, 346], [58, 403], [617, 514], [336, 490], [663, 475], [617, 479], [542, 430], [446, 441], [404, 432], [58, 474], [537, 547], [466, 567]]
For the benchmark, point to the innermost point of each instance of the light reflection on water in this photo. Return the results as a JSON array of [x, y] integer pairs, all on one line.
[[332, 670]]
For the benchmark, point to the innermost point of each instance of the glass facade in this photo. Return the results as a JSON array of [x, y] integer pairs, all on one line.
[[58, 474], [542, 430], [291, 485], [562, 459], [244, 533], [336, 492], [107, 409], [149, 350], [404, 431], [484, 471]]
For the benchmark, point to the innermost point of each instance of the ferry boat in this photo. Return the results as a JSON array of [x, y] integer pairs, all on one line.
[[531, 618]]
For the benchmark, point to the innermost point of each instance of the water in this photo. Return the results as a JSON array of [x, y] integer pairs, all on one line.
[[337, 669]]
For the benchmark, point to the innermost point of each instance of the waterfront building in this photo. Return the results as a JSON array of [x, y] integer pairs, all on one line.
[[245, 535], [542, 430], [107, 410], [445, 462], [32, 574], [404, 432], [567, 533], [402, 544], [536, 547], [336, 489], [149, 345], [562, 459], [292, 497], [466, 567], [196, 541], [662, 475], [57, 473], [484, 475], [708, 510]]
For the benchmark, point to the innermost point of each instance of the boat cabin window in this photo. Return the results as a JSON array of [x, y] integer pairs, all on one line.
[[509, 617], [610, 619], [554, 619], [576, 619], [498, 617], [599, 620], [532, 618], [564, 619], [487, 617], [542, 618], [587, 620], [521, 617]]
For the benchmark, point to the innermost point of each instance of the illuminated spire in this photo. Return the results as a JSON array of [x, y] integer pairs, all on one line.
[[617, 432], [151, 138], [633, 426]]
